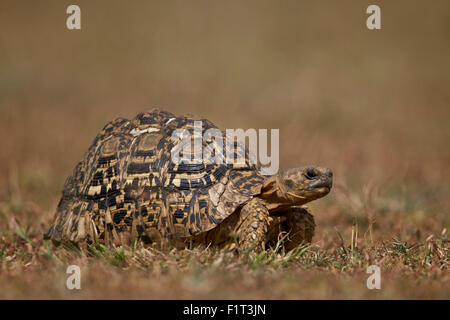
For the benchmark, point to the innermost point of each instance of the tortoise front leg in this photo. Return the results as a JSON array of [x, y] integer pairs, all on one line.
[[297, 223], [251, 228]]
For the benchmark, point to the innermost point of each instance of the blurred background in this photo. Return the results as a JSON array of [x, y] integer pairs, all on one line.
[[371, 105]]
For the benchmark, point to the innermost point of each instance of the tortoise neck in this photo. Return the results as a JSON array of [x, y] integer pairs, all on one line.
[[276, 196]]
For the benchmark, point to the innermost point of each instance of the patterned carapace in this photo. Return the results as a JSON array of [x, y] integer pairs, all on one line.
[[127, 184]]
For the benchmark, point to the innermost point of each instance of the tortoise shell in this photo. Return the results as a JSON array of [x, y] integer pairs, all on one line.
[[128, 187]]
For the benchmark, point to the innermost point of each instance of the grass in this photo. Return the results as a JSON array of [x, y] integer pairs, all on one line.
[[418, 268], [371, 105]]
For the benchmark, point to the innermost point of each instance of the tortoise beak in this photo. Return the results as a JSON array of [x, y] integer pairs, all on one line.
[[325, 180]]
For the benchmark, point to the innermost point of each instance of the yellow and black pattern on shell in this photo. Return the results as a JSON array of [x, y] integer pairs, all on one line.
[[127, 186]]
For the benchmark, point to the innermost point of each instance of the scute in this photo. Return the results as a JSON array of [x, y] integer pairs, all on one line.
[[127, 186]]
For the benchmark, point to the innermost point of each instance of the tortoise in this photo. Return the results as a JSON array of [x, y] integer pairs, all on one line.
[[127, 188]]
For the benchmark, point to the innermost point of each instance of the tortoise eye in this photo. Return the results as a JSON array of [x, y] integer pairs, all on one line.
[[310, 174]]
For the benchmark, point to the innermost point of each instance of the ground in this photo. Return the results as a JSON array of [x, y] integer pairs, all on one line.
[[371, 105]]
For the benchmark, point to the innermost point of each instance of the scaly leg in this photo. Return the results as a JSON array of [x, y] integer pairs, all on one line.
[[251, 228], [297, 223]]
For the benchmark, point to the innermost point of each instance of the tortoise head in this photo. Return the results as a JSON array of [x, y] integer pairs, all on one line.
[[298, 186]]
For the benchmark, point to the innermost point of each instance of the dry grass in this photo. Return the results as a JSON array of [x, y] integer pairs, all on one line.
[[372, 105]]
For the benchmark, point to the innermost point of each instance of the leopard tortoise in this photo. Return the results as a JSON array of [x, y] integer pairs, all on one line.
[[127, 188]]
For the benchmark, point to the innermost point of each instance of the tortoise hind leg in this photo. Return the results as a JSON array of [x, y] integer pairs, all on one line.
[[252, 225], [297, 223]]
